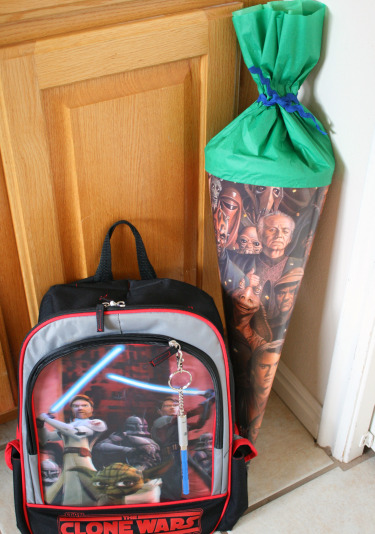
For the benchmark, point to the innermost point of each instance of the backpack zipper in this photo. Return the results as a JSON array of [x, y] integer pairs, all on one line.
[[102, 307], [106, 305], [31, 443]]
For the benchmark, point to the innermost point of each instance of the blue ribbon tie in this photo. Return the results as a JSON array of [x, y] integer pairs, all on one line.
[[289, 102]]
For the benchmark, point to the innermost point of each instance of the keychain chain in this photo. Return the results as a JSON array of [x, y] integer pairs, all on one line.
[[182, 418], [180, 361]]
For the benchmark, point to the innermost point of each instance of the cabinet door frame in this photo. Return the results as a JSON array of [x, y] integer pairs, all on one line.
[[28, 69]]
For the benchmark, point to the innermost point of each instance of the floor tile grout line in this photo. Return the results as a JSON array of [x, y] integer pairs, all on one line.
[[290, 488], [335, 464], [367, 454]]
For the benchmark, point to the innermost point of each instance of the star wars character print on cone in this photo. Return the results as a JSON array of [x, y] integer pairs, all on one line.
[[269, 172]]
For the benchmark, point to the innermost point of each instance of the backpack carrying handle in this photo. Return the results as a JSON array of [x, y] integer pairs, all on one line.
[[104, 270]]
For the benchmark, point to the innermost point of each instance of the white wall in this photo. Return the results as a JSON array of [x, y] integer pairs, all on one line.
[[325, 328], [350, 397]]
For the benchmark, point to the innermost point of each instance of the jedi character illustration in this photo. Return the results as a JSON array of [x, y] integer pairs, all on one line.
[[120, 483], [262, 369], [165, 432], [133, 446], [248, 330], [78, 437]]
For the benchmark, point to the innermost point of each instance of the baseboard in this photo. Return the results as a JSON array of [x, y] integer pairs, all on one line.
[[301, 403]]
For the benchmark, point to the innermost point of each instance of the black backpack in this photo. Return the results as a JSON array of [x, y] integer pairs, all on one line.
[[125, 411]]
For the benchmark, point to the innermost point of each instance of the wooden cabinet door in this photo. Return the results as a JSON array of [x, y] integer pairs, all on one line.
[[111, 123], [8, 384]]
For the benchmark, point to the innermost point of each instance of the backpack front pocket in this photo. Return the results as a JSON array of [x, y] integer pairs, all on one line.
[[102, 422]]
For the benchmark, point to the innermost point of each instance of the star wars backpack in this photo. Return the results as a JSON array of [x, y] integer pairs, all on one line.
[[125, 411]]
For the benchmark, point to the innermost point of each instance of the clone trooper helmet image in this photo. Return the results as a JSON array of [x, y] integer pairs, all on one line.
[[136, 426], [50, 472]]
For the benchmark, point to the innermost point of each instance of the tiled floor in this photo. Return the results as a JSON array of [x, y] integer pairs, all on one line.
[[294, 487], [337, 502], [287, 454]]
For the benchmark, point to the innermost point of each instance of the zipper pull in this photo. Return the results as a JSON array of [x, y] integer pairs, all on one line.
[[113, 303], [174, 348], [100, 317], [100, 312]]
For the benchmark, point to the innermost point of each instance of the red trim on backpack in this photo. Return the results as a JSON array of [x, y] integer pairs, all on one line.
[[213, 451], [152, 310], [243, 442], [127, 506], [8, 452], [131, 505], [38, 451]]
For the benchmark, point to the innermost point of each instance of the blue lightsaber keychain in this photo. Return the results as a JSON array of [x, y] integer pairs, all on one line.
[[181, 418]]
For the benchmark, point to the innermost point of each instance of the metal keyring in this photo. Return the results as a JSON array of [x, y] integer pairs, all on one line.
[[179, 372]]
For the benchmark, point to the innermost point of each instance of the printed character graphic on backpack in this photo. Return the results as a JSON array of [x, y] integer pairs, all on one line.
[[112, 433]]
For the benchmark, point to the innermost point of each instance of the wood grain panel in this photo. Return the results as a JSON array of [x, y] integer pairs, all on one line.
[[12, 293], [25, 155], [23, 21], [124, 146], [106, 51], [8, 386], [143, 163], [112, 123], [37, 9]]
